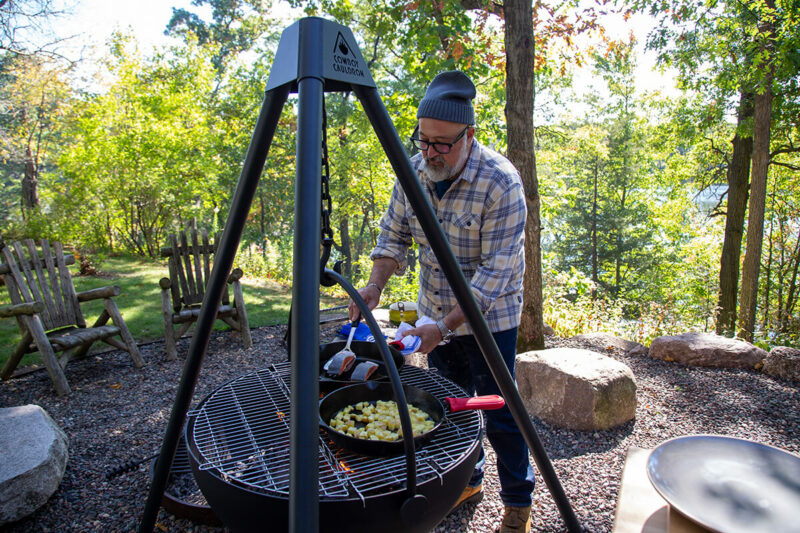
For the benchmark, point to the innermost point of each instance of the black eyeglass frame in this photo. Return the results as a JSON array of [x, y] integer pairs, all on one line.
[[422, 145]]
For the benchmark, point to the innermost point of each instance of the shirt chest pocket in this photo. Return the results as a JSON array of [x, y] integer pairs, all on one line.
[[464, 233]]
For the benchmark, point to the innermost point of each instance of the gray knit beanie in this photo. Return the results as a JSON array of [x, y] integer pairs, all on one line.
[[449, 97]]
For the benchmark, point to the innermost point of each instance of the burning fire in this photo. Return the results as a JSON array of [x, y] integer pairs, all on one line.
[[346, 468], [280, 414]]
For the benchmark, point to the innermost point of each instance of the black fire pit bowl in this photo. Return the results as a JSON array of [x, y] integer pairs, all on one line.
[[243, 510], [238, 447]]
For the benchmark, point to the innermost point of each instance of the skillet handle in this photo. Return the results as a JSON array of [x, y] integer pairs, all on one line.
[[483, 403]]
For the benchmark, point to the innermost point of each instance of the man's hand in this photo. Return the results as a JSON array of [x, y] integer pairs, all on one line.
[[382, 270], [370, 294], [429, 335]]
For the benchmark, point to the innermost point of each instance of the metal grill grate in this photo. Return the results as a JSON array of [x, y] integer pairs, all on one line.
[[242, 432]]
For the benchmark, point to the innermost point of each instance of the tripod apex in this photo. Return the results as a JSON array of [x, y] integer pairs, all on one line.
[[319, 48]]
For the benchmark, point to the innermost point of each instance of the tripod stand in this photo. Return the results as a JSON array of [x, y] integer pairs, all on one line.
[[315, 56]]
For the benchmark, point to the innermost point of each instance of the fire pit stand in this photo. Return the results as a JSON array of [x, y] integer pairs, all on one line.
[[314, 56]]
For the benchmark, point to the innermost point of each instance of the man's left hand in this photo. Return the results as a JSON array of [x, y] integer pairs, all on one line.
[[429, 336]]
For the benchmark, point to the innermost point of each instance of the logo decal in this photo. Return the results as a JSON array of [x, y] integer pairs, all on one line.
[[341, 46], [344, 60]]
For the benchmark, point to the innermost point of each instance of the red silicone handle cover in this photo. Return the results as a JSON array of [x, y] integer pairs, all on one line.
[[484, 403]]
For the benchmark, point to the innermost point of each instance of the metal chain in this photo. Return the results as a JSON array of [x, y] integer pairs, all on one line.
[[327, 204]]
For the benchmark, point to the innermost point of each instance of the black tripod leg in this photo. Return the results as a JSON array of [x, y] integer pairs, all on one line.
[[304, 351], [240, 207], [379, 118]]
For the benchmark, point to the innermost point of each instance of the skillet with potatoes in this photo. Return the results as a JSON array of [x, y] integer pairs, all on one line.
[[357, 406]]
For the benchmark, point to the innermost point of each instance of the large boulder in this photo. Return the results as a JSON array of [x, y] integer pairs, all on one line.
[[707, 349], [783, 362], [576, 389], [33, 457], [603, 342]]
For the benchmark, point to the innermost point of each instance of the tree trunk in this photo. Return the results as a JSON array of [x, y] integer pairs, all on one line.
[[30, 181], [520, 96], [262, 225], [595, 274], [411, 259], [791, 298], [762, 118], [756, 207], [765, 322], [780, 275], [346, 247], [618, 239], [738, 180]]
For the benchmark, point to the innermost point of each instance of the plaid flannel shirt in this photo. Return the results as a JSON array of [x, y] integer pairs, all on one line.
[[483, 216]]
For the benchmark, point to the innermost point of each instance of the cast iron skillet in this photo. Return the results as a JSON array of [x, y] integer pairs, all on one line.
[[371, 391], [365, 351]]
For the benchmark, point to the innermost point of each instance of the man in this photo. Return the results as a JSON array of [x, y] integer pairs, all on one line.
[[479, 200]]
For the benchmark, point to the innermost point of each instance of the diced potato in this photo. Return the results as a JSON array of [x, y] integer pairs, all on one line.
[[379, 421]]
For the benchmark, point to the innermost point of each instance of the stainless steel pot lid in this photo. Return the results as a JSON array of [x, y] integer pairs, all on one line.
[[728, 484]]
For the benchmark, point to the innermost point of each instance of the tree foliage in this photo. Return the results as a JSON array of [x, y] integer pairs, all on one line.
[[635, 192], [236, 26], [142, 156], [36, 97]]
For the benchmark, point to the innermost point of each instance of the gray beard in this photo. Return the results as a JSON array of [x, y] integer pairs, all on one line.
[[434, 173]]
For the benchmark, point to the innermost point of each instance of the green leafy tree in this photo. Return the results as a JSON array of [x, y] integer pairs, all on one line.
[[36, 96], [235, 26], [603, 220], [780, 286], [142, 157], [722, 49], [577, 230]]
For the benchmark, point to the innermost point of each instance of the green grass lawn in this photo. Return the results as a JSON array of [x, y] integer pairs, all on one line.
[[267, 302]]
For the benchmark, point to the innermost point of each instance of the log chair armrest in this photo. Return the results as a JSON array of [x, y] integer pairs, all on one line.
[[165, 284], [236, 275], [27, 308], [101, 292]]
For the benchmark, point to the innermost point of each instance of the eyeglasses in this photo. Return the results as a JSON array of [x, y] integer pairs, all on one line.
[[442, 148]]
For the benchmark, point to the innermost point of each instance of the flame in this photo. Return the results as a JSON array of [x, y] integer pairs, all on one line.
[[345, 467], [280, 414]]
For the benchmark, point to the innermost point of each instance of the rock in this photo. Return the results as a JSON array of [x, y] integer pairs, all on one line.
[[548, 330], [783, 362], [576, 389], [639, 351], [707, 349], [606, 342], [33, 457]]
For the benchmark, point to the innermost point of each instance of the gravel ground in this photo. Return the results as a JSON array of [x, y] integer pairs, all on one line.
[[117, 413]]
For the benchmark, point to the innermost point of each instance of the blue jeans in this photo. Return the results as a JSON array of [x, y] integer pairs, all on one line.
[[462, 362]]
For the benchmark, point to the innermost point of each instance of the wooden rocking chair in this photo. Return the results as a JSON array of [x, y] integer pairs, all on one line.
[[47, 309], [189, 270]]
